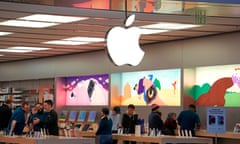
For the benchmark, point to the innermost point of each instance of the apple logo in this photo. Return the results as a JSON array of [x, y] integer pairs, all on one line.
[[123, 44]]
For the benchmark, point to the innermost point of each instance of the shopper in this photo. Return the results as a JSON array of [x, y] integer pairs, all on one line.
[[189, 120], [154, 120], [104, 130], [116, 118], [5, 114], [18, 119], [50, 119], [129, 121], [37, 117], [170, 124]]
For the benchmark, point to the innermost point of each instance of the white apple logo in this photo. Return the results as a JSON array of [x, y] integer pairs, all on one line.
[[123, 44]]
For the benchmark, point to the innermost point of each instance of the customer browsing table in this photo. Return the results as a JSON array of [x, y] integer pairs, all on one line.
[[161, 139]]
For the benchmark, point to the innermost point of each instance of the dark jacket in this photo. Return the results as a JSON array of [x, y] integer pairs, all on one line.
[[169, 127], [129, 123], [155, 121], [5, 115], [50, 122], [105, 127]]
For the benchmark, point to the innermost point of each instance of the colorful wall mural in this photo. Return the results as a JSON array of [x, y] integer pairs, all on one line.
[[160, 87], [212, 86], [85, 90]]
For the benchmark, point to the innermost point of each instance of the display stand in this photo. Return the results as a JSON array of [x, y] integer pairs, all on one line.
[[73, 125]]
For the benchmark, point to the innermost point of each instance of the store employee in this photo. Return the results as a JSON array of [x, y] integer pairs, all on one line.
[[18, 119], [50, 121]]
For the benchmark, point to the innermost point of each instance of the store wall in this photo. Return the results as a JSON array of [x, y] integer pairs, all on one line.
[[204, 51]]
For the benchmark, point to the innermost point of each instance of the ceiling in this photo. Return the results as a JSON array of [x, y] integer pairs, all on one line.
[[221, 18]]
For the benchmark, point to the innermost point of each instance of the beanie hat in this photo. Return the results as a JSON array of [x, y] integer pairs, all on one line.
[[154, 107]]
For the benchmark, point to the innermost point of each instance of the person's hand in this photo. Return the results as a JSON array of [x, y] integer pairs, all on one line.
[[36, 121]]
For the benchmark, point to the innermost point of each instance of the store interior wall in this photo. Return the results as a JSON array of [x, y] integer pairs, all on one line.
[[205, 51]]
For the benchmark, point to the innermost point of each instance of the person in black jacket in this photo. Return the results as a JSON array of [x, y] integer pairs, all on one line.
[[155, 120], [129, 121], [5, 114], [50, 120], [105, 128]]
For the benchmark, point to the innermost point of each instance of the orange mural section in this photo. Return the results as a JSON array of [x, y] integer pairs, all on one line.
[[215, 96]]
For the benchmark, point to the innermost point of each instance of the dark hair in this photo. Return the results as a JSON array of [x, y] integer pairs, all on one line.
[[25, 103], [38, 103], [49, 102], [192, 106], [105, 111], [131, 106], [117, 109]]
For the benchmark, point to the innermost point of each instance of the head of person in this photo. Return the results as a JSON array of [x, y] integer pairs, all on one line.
[[8, 103], [116, 110], [130, 109], [48, 105], [172, 116], [39, 107], [155, 107], [33, 110], [105, 111], [192, 107], [25, 106]]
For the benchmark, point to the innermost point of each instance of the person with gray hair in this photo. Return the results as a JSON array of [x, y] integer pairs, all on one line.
[[170, 124]]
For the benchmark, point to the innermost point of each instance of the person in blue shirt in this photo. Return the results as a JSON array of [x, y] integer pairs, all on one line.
[[18, 120], [189, 120], [104, 130], [37, 118], [116, 118]]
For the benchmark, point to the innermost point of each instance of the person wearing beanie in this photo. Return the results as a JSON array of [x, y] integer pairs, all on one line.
[[154, 118]]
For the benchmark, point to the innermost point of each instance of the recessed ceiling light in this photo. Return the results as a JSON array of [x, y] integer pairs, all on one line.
[[20, 49], [29, 48], [31, 24], [76, 41], [86, 39], [169, 26], [5, 33], [151, 31], [65, 42], [14, 50], [53, 18]]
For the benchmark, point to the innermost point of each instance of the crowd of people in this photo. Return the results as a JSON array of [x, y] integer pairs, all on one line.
[[43, 117], [188, 120]]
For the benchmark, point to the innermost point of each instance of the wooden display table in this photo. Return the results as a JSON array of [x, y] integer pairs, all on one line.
[[162, 139], [225, 138], [87, 134], [47, 140], [227, 135]]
